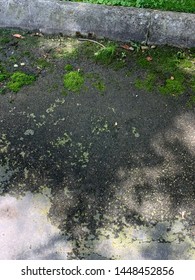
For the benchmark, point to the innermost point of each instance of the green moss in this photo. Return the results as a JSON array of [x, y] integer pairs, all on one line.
[[99, 85], [142, 61], [191, 101], [3, 77], [192, 84], [148, 83], [3, 74], [68, 67], [13, 59], [174, 70], [43, 63], [185, 63], [106, 55], [4, 40], [119, 64], [18, 80], [163, 59], [173, 87], [129, 73], [73, 81], [2, 90], [5, 36]]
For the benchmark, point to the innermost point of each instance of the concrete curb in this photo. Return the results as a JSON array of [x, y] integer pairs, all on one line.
[[115, 23]]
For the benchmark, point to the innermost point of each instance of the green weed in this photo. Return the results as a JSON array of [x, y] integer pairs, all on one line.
[[173, 5], [106, 55]]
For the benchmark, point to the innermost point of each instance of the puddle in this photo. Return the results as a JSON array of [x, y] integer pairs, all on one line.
[[25, 230]]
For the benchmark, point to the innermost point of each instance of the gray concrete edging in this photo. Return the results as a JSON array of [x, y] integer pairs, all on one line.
[[114, 23]]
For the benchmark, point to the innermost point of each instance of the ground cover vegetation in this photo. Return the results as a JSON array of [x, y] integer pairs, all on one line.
[[187, 6], [165, 70]]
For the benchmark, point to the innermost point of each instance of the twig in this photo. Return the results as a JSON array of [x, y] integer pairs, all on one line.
[[92, 41]]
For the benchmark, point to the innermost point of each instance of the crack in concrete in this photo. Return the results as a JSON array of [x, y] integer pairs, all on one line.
[[148, 29]]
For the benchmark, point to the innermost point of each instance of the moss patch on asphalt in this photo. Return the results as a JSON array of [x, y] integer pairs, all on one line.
[[165, 70], [170, 71], [18, 80], [73, 81]]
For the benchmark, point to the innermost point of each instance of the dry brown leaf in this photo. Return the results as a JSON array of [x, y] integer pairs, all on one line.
[[149, 58], [127, 47], [19, 36]]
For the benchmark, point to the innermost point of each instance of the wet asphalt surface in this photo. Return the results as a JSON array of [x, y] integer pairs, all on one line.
[[103, 174]]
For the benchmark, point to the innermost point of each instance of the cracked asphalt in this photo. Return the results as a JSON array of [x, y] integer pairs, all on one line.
[[96, 175]]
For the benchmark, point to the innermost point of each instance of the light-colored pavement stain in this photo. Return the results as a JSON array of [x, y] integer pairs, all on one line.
[[92, 176], [26, 231]]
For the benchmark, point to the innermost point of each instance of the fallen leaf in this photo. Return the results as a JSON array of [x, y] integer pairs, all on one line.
[[149, 58], [18, 36], [127, 47]]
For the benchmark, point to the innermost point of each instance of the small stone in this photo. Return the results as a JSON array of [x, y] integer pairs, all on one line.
[[22, 63], [143, 48], [137, 135], [15, 65]]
